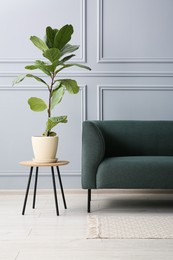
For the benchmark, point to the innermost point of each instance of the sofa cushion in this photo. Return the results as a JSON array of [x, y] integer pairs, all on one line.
[[139, 172], [137, 138]]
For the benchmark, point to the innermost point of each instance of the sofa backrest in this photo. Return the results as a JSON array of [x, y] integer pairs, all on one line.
[[137, 138]]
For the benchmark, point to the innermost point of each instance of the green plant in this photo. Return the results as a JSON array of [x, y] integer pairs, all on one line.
[[56, 49]]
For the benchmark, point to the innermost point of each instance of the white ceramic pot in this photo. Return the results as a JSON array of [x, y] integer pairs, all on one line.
[[45, 148]]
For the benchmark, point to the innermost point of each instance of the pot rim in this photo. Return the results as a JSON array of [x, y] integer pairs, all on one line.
[[40, 136]]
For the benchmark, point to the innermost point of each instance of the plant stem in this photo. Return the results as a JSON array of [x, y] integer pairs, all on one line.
[[50, 95]]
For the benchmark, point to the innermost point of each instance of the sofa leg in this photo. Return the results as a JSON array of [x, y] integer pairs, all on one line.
[[89, 200]]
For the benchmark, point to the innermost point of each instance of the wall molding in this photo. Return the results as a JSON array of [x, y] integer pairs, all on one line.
[[90, 74], [83, 91], [41, 174], [83, 112], [81, 59], [102, 88], [100, 56]]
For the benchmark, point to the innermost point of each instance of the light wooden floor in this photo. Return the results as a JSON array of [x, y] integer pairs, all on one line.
[[41, 235]]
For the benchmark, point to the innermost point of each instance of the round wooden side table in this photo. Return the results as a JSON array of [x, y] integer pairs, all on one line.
[[33, 164]]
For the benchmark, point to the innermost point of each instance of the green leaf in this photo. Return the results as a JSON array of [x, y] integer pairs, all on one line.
[[42, 66], [50, 35], [67, 58], [64, 66], [37, 78], [57, 96], [63, 36], [37, 104], [53, 121], [52, 54], [31, 67], [22, 77], [55, 31], [39, 65], [19, 79], [68, 48], [50, 134], [53, 66], [39, 43], [70, 85], [80, 66]]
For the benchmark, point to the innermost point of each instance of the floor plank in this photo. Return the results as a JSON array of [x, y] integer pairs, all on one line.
[[41, 235]]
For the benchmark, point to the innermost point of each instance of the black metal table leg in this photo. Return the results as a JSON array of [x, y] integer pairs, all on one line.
[[89, 201], [55, 194], [35, 187], [27, 190], [61, 186]]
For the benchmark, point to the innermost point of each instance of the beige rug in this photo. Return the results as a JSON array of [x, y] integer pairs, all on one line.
[[130, 227]]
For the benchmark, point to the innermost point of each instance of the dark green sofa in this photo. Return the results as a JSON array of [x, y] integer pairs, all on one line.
[[127, 155]]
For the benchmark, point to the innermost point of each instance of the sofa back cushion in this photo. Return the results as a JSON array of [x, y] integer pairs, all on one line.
[[132, 138]]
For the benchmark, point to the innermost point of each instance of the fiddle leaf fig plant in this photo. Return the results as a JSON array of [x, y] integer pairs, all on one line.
[[57, 51]]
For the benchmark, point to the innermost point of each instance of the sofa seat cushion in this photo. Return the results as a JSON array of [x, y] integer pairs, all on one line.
[[141, 172]]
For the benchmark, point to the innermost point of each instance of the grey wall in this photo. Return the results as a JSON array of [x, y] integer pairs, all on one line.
[[127, 43]]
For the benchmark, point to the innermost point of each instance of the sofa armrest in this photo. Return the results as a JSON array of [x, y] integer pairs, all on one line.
[[93, 151]]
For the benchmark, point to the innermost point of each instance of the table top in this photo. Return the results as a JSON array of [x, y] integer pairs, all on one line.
[[32, 163]]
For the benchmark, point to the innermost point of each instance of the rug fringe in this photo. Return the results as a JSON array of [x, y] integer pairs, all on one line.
[[93, 224]]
